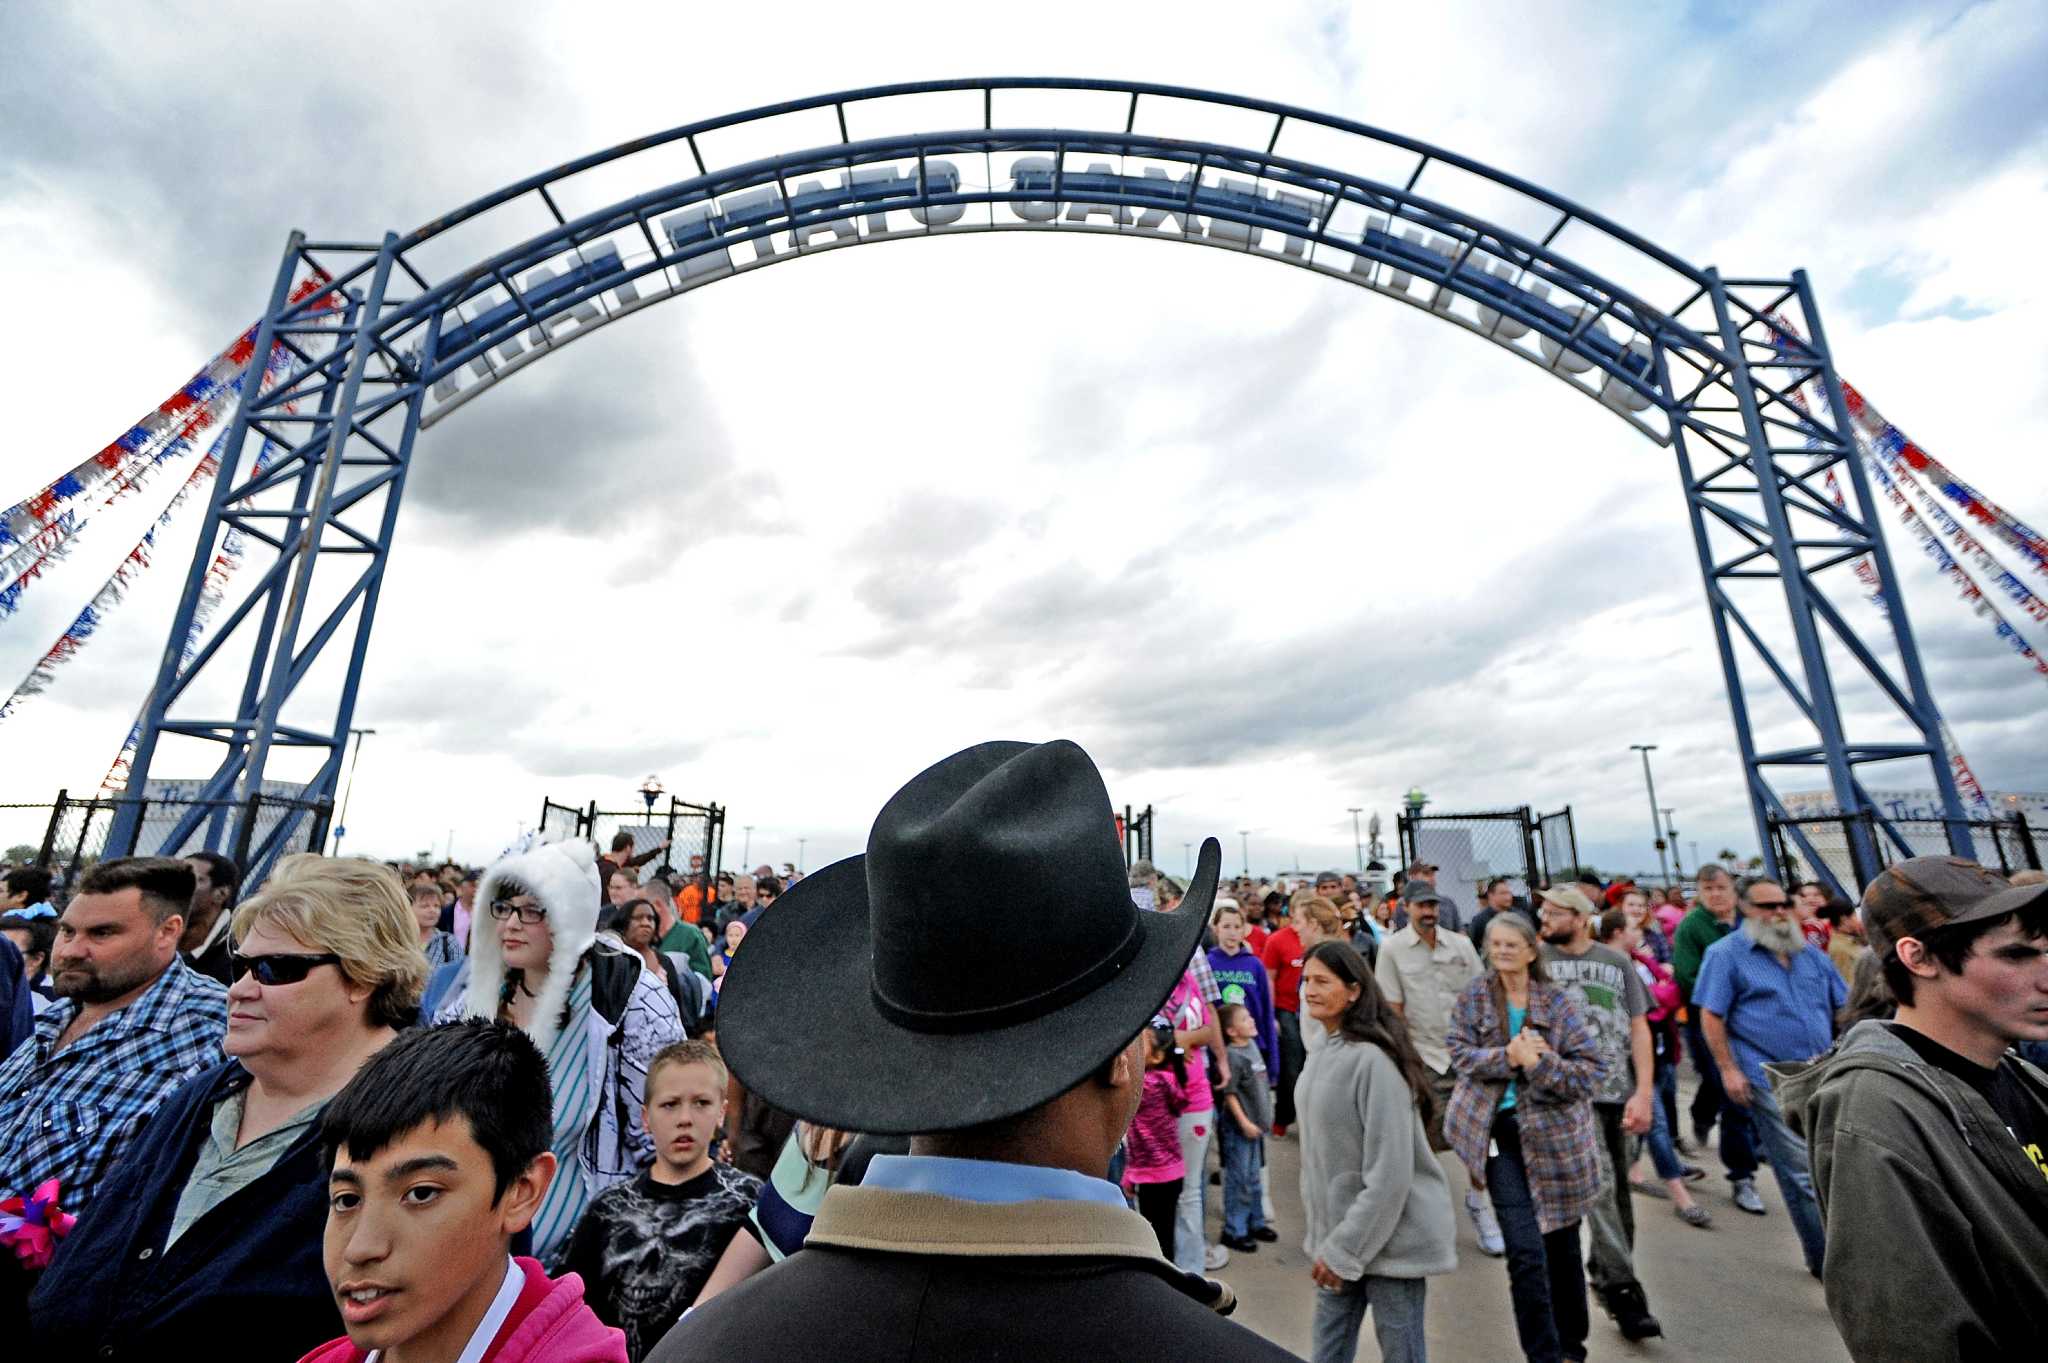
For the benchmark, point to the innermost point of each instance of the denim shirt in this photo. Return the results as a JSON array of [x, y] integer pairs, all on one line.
[[1773, 1011]]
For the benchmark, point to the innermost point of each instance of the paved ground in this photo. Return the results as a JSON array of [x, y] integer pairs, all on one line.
[[1734, 1293]]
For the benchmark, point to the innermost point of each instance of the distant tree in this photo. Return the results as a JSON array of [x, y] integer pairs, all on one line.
[[1755, 864], [1729, 855], [21, 854]]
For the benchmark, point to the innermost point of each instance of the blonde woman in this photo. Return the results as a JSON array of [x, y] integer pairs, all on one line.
[[209, 1227]]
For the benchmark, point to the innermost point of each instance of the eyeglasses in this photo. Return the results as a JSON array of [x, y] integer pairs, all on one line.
[[281, 968], [1770, 905], [529, 914]]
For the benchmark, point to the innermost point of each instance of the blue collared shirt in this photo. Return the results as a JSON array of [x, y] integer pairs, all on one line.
[[980, 1180], [1773, 1011]]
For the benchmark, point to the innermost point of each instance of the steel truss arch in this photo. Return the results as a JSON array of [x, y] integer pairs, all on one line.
[[1708, 367]]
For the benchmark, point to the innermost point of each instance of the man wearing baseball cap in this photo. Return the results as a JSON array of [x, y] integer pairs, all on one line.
[[1928, 1134]]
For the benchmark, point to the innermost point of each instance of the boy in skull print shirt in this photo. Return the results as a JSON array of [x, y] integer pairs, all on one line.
[[645, 1248]]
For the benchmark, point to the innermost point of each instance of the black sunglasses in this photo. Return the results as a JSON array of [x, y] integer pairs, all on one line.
[[282, 968], [528, 914]]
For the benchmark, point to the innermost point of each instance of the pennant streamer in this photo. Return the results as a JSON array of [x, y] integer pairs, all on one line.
[[41, 530], [1893, 444], [1930, 543]]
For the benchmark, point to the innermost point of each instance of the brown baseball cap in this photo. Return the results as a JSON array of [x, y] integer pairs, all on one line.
[[1913, 898], [1421, 868], [1567, 897]]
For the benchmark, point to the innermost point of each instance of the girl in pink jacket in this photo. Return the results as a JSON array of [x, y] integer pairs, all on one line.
[[1153, 1165]]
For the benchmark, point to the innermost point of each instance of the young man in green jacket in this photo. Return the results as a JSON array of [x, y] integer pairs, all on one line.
[[1709, 920], [1927, 1133]]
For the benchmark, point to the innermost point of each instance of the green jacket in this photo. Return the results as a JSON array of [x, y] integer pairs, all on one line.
[[1697, 931], [687, 940], [1937, 1219]]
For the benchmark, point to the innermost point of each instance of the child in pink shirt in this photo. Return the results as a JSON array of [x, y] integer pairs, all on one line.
[[1154, 1166]]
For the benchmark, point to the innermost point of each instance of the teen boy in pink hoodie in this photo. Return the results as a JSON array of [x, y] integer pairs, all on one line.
[[439, 1156]]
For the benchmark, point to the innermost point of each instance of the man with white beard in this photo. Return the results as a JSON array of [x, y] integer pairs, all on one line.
[[1766, 994]]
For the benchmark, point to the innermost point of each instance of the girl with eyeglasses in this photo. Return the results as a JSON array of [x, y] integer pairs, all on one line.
[[589, 1003]]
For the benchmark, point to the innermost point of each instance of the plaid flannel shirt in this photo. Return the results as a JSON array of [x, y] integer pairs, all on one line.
[[1205, 977], [67, 1115], [1553, 1101]]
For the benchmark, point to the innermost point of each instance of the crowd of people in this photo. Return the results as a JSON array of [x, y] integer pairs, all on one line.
[[539, 1110]]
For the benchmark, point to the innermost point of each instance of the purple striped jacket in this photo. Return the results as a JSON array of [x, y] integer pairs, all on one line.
[[1553, 1101]]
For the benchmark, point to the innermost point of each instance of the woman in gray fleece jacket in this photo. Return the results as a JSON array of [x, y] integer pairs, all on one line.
[[1379, 1207]]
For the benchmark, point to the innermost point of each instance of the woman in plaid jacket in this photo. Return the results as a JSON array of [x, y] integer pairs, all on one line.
[[1521, 1119]]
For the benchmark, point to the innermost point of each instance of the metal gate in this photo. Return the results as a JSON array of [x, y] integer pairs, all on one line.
[[1136, 833], [1820, 847], [82, 833], [690, 830], [1471, 849], [1559, 842]]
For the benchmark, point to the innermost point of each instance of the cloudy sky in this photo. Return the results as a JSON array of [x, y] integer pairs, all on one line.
[[1268, 548]]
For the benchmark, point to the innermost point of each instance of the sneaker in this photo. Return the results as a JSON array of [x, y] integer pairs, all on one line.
[[1484, 1225], [1265, 1234], [1631, 1312], [1279, 1131], [1242, 1244], [1215, 1257], [1746, 1198], [1695, 1215]]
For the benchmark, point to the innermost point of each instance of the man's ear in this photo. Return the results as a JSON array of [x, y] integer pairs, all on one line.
[[171, 929], [1914, 955], [1126, 1067], [521, 1202]]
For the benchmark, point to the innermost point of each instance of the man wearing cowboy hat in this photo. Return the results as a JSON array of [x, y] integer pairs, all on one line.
[[891, 994]]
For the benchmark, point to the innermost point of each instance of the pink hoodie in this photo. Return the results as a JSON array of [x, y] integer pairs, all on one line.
[[549, 1324], [1152, 1145]]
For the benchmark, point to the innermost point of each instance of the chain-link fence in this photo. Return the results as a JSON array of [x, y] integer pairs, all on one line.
[[1470, 849], [77, 834], [2004, 845], [680, 830]]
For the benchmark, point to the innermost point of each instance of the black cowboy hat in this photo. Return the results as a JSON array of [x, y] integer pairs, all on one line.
[[983, 957]]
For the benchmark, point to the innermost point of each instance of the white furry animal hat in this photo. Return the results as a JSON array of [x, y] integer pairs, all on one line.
[[562, 874]]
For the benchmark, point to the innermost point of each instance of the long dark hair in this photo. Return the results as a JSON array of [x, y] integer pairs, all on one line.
[[1370, 1018]]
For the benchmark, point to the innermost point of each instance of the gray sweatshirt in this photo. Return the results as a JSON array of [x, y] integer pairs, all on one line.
[[1377, 1200]]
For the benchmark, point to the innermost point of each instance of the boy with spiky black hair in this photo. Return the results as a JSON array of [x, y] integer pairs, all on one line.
[[438, 1151]]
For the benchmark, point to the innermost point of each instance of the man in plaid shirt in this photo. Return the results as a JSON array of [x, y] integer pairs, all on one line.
[[132, 1022]]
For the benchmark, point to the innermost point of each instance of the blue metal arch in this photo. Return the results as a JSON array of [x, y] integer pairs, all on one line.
[[1713, 371]]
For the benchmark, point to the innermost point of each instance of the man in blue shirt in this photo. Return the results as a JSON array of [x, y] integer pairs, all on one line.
[[1765, 994]]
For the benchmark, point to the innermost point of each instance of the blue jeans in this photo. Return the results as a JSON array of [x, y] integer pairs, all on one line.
[[1397, 1309], [1242, 1156], [1738, 1142], [1663, 1154], [1793, 1171], [1546, 1278]]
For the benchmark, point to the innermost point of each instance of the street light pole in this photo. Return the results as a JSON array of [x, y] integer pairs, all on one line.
[[341, 823], [1244, 837], [1357, 839], [800, 854], [1187, 859], [1671, 836], [747, 844], [1656, 829]]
